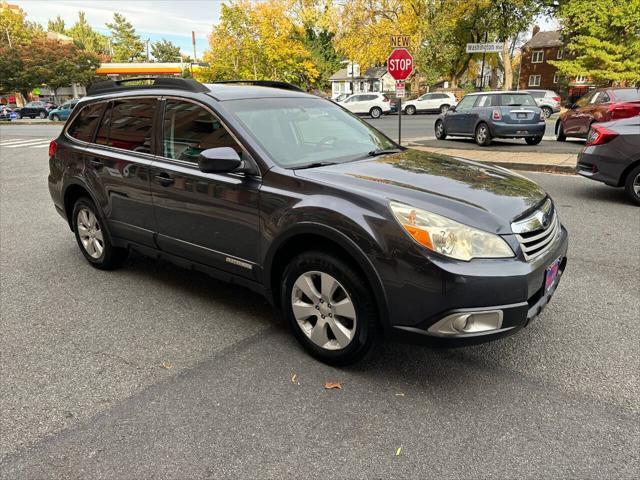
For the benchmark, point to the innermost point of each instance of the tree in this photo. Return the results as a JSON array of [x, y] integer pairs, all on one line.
[[258, 40], [126, 44], [603, 40], [165, 51], [86, 37], [15, 29], [56, 25], [45, 62]]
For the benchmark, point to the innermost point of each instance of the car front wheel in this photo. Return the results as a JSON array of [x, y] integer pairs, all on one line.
[[483, 135], [18, 116], [441, 134], [42, 115], [92, 237], [632, 185], [375, 112], [55, 118], [444, 108], [547, 112], [560, 136], [329, 307], [410, 110]]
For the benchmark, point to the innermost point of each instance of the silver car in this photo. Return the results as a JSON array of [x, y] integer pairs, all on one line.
[[547, 100]]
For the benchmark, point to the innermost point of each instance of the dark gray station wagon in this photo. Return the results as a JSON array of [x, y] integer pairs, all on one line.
[[352, 236]]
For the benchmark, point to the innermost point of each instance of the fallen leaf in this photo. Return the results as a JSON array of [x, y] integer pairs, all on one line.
[[294, 379], [399, 394], [398, 450], [166, 365], [333, 385]]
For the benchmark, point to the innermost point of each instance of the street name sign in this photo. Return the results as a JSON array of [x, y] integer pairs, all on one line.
[[400, 64], [484, 47]]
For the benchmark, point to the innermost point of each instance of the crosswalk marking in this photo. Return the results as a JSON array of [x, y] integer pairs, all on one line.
[[20, 143]]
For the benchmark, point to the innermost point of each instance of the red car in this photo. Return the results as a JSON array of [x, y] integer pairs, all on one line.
[[600, 105]]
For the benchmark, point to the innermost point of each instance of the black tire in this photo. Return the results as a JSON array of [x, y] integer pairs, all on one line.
[[547, 112], [18, 116], [410, 110], [444, 108], [375, 112], [533, 140], [366, 330], [55, 118], [439, 130], [483, 135], [632, 185], [42, 115], [560, 136], [111, 257]]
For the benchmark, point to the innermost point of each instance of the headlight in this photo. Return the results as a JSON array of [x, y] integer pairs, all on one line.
[[447, 237]]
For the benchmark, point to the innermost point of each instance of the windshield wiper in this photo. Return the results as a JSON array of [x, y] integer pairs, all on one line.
[[315, 165], [383, 151]]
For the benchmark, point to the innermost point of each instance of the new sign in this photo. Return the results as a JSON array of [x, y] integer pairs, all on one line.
[[484, 47], [400, 64]]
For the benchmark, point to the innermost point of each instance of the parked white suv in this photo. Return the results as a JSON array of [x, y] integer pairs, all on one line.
[[374, 104], [430, 102], [547, 100]]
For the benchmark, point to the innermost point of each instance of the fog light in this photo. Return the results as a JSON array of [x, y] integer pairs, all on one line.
[[467, 322]]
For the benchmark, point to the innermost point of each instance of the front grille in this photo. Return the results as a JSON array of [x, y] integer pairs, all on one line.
[[534, 237]]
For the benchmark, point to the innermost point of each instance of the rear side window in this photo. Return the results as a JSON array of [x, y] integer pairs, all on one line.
[[85, 123], [537, 94], [189, 129], [516, 100], [130, 123], [627, 94]]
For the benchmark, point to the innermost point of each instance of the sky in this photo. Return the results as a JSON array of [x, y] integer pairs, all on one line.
[[170, 19]]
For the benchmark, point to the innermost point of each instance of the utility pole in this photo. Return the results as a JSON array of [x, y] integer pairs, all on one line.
[[193, 41]]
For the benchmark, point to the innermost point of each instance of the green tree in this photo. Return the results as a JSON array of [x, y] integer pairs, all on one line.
[[165, 51], [126, 44], [86, 37], [56, 25], [603, 40], [45, 62], [15, 29]]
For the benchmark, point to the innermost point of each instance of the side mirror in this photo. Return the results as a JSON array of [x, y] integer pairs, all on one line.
[[571, 105], [452, 108], [219, 160]]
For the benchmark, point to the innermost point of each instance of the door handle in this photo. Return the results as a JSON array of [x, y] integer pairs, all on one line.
[[97, 164], [164, 179]]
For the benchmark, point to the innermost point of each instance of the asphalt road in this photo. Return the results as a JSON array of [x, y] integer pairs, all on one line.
[[152, 371]]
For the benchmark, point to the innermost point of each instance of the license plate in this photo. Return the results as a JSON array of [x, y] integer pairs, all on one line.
[[522, 132], [521, 115], [551, 273]]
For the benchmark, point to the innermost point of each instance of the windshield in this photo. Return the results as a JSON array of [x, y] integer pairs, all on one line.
[[298, 132], [517, 100]]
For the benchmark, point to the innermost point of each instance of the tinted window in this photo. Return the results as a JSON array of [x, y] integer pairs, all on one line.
[[84, 124], [426, 96], [130, 124], [371, 97], [102, 137], [517, 99], [627, 94], [484, 100], [466, 103], [189, 129]]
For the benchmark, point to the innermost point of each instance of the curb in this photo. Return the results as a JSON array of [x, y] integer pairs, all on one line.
[[534, 167], [18, 122]]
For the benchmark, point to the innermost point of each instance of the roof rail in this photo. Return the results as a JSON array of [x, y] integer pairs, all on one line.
[[108, 86], [263, 83]]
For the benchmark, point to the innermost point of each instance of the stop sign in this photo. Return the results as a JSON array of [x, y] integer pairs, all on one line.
[[400, 64]]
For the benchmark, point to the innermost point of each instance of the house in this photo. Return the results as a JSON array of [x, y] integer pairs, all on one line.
[[375, 79], [537, 72]]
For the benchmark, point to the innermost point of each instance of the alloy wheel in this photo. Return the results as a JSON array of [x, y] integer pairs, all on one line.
[[90, 233], [439, 130], [444, 108], [636, 185], [481, 135], [323, 310]]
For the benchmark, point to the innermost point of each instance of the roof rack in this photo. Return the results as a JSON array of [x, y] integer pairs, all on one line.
[[108, 86], [263, 83]]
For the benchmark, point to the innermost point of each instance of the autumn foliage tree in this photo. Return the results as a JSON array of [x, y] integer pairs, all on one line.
[[258, 40]]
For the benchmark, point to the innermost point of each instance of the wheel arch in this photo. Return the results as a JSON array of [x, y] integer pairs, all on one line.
[[72, 193], [312, 236], [626, 172]]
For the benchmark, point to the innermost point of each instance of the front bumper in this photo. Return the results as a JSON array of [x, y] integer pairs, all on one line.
[[514, 288], [510, 130]]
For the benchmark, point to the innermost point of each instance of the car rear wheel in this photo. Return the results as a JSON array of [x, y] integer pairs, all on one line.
[[410, 110], [444, 108], [440, 132], [18, 116], [92, 237], [483, 135], [329, 307], [55, 118], [42, 115], [632, 185], [533, 140], [375, 112], [547, 112], [560, 136]]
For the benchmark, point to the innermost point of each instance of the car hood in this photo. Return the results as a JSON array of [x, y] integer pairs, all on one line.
[[483, 196]]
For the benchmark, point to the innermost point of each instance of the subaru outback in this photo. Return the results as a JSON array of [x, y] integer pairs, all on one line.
[[352, 236]]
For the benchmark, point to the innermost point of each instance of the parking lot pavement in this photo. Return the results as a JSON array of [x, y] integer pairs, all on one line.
[[154, 371]]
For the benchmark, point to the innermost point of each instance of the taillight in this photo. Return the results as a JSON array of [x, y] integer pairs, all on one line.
[[496, 115], [53, 148], [556, 99], [617, 111], [385, 99], [600, 135]]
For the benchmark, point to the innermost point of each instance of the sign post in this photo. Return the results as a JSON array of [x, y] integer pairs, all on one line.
[[400, 66], [484, 48]]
